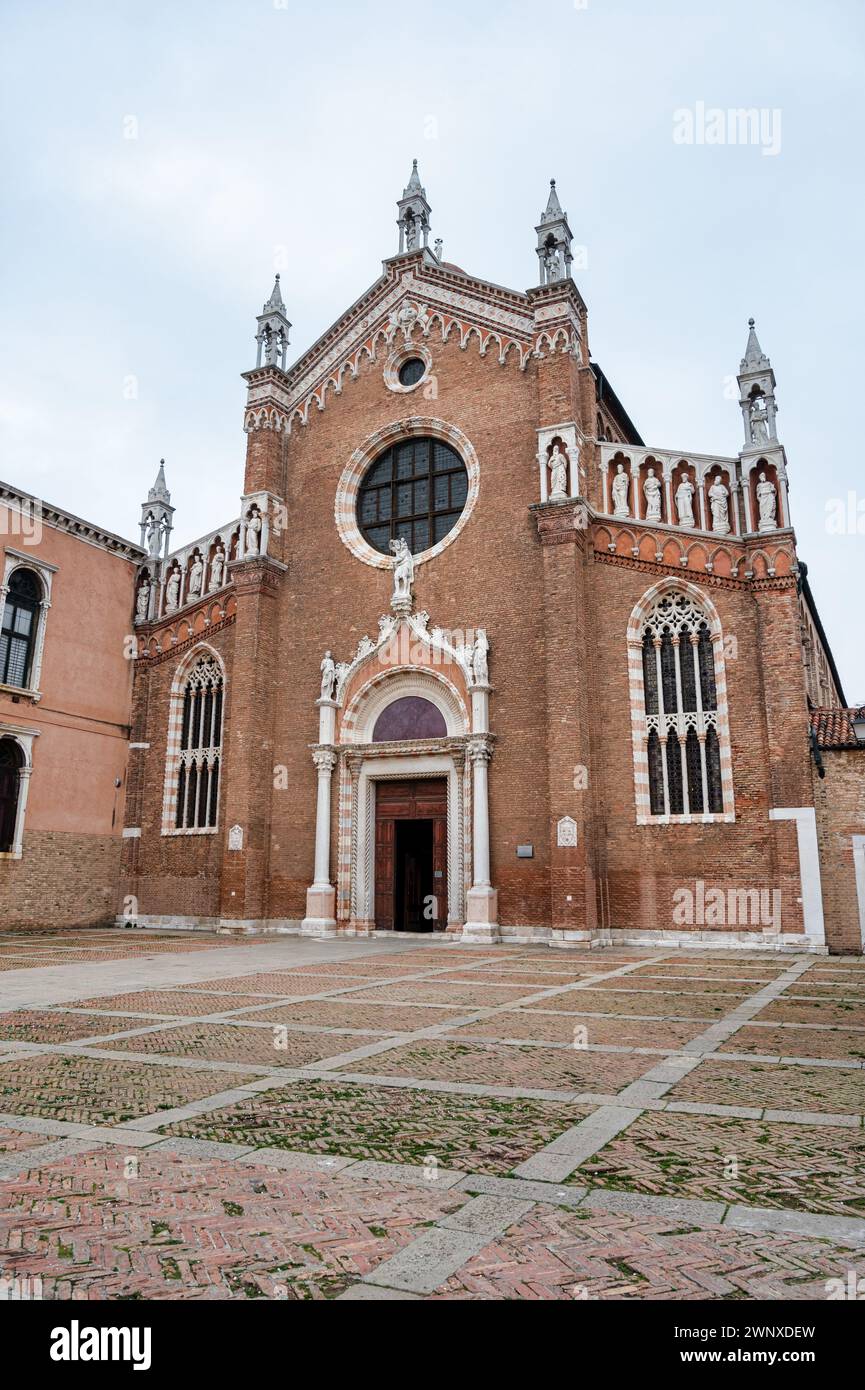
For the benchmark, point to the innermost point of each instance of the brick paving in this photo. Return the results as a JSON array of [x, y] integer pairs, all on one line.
[[775, 1086], [535, 1068], [578, 1255], [389, 1124], [271, 1046], [301, 1203], [806, 1167], [89, 1090], [537, 1026], [839, 1043]]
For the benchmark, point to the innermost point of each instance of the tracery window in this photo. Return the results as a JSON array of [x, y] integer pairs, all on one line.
[[193, 771], [415, 491], [681, 722], [19, 628]]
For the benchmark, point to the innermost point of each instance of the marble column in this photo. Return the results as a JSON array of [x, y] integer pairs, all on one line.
[[481, 899], [320, 919]]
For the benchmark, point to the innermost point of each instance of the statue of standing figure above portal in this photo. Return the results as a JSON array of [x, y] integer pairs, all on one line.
[[479, 662], [328, 676], [403, 573]]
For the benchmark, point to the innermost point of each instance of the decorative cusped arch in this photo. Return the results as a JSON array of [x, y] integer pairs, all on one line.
[[345, 505], [373, 696], [693, 724]]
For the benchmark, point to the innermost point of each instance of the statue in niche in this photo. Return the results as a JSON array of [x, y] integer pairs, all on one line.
[[685, 502], [767, 502], [403, 571], [553, 263], [479, 659], [410, 233], [759, 421], [328, 676], [152, 537], [719, 501], [172, 590], [142, 602], [253, 532], [621, 483], [558, 475], [217, 568], [652, 493], [196, 576]]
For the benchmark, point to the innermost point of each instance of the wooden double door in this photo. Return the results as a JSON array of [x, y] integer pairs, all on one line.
[[411, 855]]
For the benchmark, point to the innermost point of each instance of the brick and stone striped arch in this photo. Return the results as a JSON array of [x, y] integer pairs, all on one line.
[[680, 729], [194, 754]]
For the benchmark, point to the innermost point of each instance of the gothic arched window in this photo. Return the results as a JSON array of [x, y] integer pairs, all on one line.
[[679, 723], [19, 628], [195, 749], [415, 491], [11, 763]]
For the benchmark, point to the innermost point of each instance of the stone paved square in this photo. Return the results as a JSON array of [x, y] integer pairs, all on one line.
[[304, 1186]]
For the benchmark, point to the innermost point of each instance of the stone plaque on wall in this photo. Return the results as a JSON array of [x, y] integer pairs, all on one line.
[[566, 832], [235, 837]]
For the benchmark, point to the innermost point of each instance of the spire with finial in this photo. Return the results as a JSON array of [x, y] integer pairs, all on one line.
[[554, 240], [157, 517], [414, 214], [754, 354], [757, 394], [273, 330]]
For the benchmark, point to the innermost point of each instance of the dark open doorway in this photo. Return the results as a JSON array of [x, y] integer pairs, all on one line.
[[414, 907], [411, 887]]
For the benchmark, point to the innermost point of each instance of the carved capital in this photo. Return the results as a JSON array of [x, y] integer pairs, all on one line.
[[325, 761], [479, 750]]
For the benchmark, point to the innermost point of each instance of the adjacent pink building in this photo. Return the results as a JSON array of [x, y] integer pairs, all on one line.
[[65, 690]]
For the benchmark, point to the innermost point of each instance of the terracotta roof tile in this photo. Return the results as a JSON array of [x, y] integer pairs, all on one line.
[[834, 729]]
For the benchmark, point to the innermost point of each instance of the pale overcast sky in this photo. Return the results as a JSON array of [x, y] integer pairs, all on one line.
[[286, 130]]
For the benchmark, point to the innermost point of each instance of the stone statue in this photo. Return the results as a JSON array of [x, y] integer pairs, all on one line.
[[143, 601], [759, 421], [481, 652], [685, 502], [767, 501], [652, 493], [196, 576], [217, 568], [720, 504], [410, 234], [553, 265], [328, 676], [558, 475], [253, 532], [621, 483], [172, 590], [439, 248], [153, 537], [403, 571]]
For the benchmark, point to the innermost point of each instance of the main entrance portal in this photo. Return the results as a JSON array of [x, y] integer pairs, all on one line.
[[411, 889]]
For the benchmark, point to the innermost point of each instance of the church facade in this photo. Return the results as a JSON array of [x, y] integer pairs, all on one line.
[[473, 658]]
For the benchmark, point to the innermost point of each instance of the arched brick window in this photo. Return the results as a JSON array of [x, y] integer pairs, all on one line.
[[678, 706], [194, 749]]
